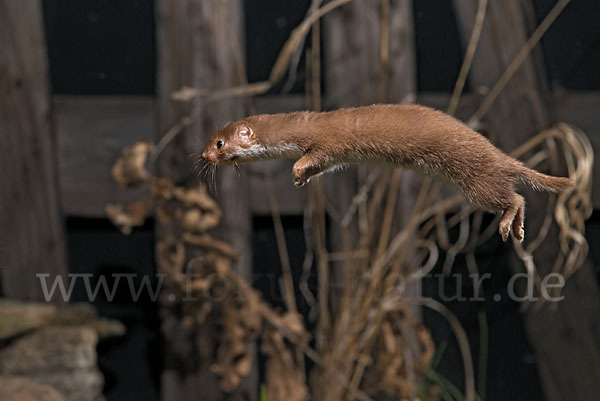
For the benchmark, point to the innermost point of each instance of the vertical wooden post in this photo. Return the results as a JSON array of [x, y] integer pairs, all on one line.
[[353, 35], [199, 44], [31, 226], [355, 76], [565, 339]]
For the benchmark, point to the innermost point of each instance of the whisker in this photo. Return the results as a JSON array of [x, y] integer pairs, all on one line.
[[206, 170], [197, 168], [214, 179], [196, 165]]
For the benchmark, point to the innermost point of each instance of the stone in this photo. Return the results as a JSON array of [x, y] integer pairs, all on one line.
[[13, 388], [84, 314], [61, 356], [17, 317], [51, 348]]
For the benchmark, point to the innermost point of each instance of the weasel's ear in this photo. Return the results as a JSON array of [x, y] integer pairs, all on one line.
[[245, 134]]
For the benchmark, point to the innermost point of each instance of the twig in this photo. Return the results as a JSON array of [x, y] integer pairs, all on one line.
[[360, 197], [466, 65], [297, 37], [384, 50], [315, 53], [517, 61], [388, 215], [463, 345], [286, 268]]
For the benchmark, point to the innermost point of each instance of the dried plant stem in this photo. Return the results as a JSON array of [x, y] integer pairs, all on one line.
[[360, 197], [384, 50], [518, 60], [322, 259], [388, 215], [316, 67], [466, 65], [297, 37], [463, 345], [286, 268]]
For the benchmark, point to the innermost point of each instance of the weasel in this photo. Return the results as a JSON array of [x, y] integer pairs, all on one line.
[[411, 136]]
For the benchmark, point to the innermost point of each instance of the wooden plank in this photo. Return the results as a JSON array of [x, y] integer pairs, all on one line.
[[199, 44], [563, 336], [504, 31], [352, 52], [91, 132], [31, 236], [354, 77]]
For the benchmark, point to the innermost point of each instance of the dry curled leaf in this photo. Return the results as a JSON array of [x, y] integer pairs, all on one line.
[[162, 214], [241, 324], [125, 220], [130, 169], [191, 208], [233, 364], [194, 220], [197, 196], [284, 380], [209, 244], [404, 349], [162, 188], [170, 258]]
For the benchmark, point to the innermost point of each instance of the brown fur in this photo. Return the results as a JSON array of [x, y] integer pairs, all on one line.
[[410, 136]]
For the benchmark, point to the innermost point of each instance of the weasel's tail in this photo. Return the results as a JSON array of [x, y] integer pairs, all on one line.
[[543, 182]]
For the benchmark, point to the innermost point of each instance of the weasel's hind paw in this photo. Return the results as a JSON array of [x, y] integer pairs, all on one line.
[[504, 229], [518, 232], [513, 216]]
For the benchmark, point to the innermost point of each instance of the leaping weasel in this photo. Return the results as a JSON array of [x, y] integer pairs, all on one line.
[[411, 136]]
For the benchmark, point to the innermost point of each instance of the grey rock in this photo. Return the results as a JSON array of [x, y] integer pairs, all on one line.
[[84, 314], [63, 357], [49, 349], [17, 317], [14, 388]]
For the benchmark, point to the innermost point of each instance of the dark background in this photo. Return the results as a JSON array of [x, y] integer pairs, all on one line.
[[107, 47]]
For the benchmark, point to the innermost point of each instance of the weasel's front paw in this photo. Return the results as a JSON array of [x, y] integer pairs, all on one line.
[[300, 182], [300, 177]]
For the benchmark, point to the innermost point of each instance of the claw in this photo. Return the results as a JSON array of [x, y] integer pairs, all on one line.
[[504, 230], [300, 183]]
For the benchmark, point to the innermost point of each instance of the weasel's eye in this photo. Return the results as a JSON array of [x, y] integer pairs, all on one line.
[[219, 144]]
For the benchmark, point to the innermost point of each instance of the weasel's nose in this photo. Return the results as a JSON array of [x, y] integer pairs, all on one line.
[[209, 156]]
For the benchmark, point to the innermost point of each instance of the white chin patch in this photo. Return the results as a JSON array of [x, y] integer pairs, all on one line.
[[272, 152], [252, 152]]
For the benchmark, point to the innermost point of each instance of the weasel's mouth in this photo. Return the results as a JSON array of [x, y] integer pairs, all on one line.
[[222, 161]]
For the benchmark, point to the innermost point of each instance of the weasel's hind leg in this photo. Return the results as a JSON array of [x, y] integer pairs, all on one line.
[[519, 221], [513, 216]]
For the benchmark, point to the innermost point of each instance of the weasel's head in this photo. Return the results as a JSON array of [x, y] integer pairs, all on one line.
[[236, 142]]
